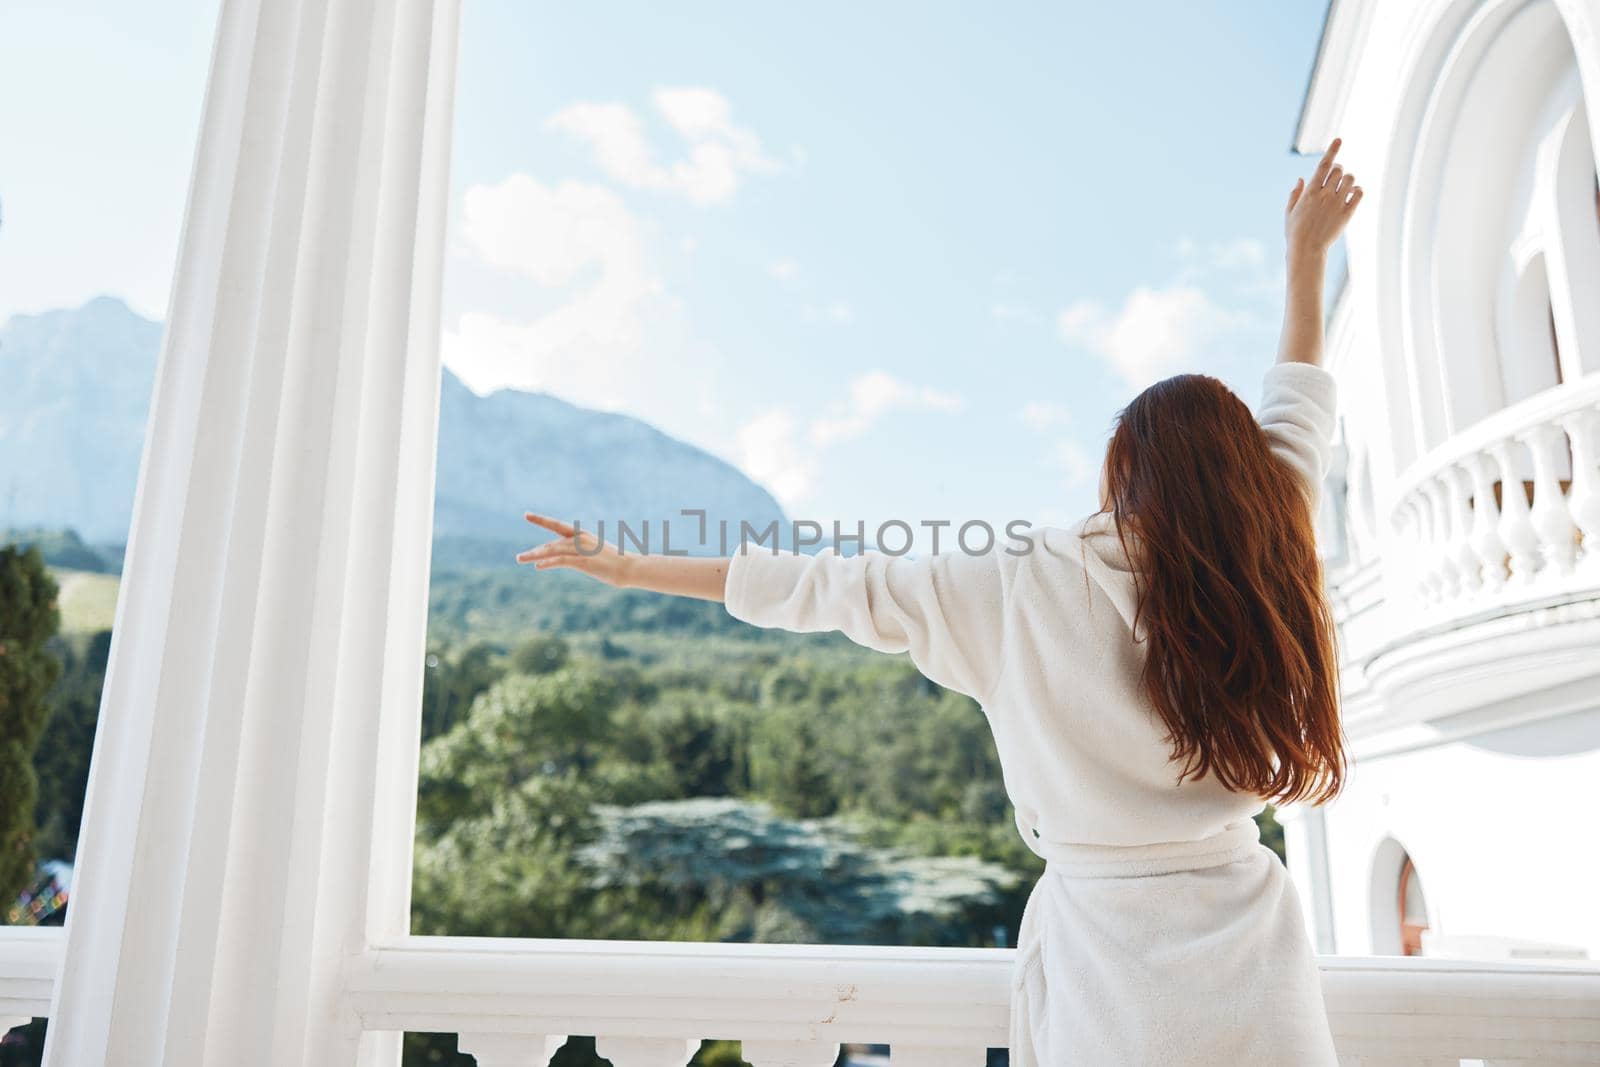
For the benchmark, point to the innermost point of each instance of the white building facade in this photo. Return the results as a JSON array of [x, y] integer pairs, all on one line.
[[1465, 525]]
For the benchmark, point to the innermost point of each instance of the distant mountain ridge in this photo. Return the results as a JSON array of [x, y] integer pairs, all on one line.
[[74, 394]]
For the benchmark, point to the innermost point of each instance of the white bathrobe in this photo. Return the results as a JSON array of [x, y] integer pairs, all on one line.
[[1162, 931]]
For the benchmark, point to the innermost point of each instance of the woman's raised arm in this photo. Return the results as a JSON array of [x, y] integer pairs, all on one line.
[[1316, 216]]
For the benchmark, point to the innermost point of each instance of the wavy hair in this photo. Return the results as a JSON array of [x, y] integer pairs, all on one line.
[[1240, 662]]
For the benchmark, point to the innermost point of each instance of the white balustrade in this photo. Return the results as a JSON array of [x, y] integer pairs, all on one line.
[[1465, 532], [511, 1002]]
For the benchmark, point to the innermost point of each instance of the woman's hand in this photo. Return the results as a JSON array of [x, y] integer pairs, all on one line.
[[1318, 212], [580, 551], [700, 577]]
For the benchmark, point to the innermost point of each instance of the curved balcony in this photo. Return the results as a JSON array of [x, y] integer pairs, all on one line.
[[1485, 589], [1508, 510]]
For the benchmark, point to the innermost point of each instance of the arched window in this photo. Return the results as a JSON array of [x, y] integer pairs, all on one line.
[[1413, 909]]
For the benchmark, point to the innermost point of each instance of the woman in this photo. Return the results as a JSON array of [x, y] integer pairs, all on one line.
[[1151, 676]]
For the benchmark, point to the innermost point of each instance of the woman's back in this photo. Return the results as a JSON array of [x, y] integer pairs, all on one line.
[[1159, 912]]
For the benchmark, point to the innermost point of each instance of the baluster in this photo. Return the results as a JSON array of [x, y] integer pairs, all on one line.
[[510, 1050], [1583, 499], [1516, 522], [1486, 542], [1551, 520], [647, 1051], [1462, 553], [789, 1053], [1401, 552], [1441, 563], [1423, 554], [936, 1056]]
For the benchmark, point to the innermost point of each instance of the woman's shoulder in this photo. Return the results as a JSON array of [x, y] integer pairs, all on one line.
[[1084, 561], [1093, 544]]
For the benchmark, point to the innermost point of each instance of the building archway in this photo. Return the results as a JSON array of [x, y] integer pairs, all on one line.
[[1399, 914]]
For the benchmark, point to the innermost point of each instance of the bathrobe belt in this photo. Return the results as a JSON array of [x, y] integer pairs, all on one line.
[[1236, 842]]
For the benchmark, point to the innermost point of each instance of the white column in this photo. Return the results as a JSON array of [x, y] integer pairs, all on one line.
[[1305, 840], [261, 702]]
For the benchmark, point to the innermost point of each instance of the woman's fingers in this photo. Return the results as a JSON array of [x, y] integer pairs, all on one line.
[[555, 526], [1355, 198], [1347, 183], [1334, 177], [1294, 194], [1325, 164], [576, 563]]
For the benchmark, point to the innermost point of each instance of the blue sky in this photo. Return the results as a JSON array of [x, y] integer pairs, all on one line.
[[894, 260]]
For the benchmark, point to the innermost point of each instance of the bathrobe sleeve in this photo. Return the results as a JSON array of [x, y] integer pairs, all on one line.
[[1297, 415], [947, 610]]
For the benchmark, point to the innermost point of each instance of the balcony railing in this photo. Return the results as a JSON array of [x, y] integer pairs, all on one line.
[[512, 1002], [1507, 509]]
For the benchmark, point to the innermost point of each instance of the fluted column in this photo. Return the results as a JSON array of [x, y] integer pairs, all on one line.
[[249, 791]]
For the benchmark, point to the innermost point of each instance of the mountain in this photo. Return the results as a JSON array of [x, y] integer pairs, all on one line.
[[75, 389]]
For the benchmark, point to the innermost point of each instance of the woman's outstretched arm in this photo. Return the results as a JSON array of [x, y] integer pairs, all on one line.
[[692, 576], [946, 610], [1316, 216]]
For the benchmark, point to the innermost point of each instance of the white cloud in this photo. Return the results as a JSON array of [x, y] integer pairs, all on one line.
[[1239, 254], [1009, 311], [1075, 463], [770, 452], [1242, 264], [1037, 415], [785, 270], [1235, 254], [570, 236], [781, 450], [1156, 333], [871, 397], [720, 153], [838, 312]]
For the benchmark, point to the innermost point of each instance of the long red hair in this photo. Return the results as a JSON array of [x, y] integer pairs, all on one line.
[[1240, 662]]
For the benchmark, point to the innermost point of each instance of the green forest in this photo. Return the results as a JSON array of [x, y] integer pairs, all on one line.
[[608, 764]]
